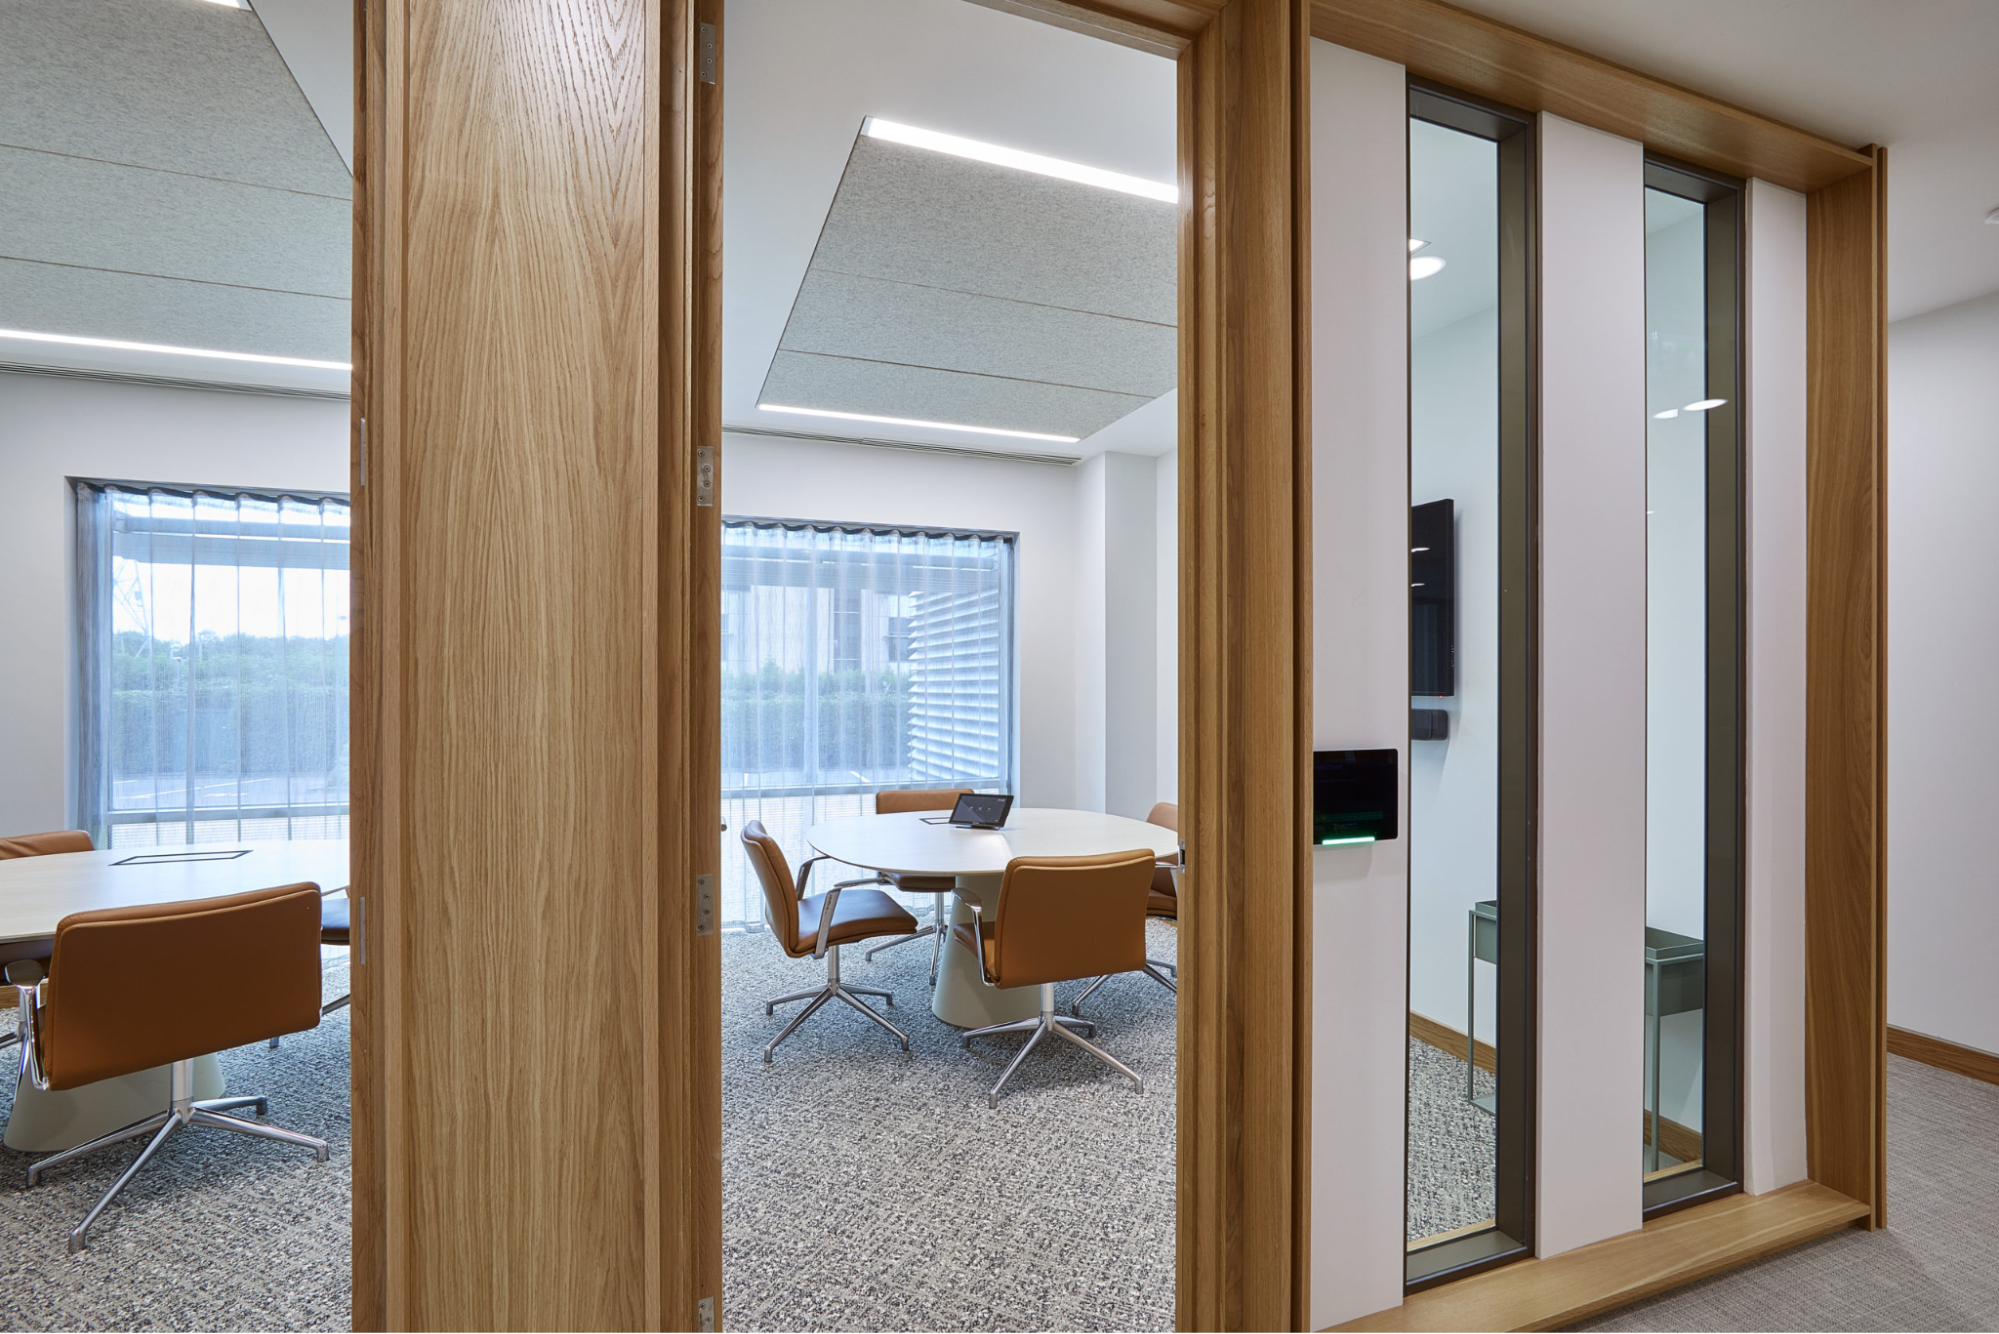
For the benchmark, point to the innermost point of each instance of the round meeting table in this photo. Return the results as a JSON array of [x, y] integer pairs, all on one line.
[[36, 893], [919, 843]]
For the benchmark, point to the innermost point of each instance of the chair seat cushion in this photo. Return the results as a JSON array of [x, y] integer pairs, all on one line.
[[861, 914], [333, 921], [963, 935], [921, 884]]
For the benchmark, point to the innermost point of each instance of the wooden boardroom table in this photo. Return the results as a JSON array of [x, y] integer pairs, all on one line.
[[976, 858], [38, 892]]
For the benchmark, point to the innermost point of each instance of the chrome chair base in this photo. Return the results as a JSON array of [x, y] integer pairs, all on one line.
[[833, 990], [1152, 967], [1040, 1027], [184, 1111], [936, 928]]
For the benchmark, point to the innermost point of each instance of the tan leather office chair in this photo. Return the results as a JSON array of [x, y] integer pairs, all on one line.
[[333, 930], [133, 988], [1163, 902], [41, 845], [818, 925], [932, 799], [1060, 918]]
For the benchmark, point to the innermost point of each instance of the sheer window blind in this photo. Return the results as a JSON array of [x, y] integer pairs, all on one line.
[[855, 659], [212, 632]]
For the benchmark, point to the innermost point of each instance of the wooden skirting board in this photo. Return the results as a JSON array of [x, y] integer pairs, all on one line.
[[1667, 1252], [1683, 1142], [1950, 1056], [1447, 1039]]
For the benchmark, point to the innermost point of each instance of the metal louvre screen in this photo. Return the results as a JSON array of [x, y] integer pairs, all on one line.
[[212, 634], [856, 659]]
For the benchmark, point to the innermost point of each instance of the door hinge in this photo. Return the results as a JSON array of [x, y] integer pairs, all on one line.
[[705, 1311], [704, 476], [704, 905], [360, 933], [707, 53], [364, 451]]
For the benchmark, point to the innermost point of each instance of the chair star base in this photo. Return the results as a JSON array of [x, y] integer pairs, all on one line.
[[1048, 1022], [833, 990], [1152, 967]]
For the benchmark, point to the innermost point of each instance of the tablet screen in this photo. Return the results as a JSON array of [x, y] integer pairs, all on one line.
[[981, 808]]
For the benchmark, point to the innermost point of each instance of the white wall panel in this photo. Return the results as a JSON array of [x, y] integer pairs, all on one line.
[[1592, 844], [1360, 670], [1774, 1001]]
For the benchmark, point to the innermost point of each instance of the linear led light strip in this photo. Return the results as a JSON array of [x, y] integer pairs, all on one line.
[[877, 128], [909, 421], [121, 345]]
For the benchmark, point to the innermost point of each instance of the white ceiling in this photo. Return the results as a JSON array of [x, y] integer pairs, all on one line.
[[1919, 76], [802, 74]]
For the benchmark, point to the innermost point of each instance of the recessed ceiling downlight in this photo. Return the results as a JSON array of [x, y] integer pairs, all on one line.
[[910, 421], [1424, 266], [877, 128], [1666, 416], [1705, 404], [1415, 245]]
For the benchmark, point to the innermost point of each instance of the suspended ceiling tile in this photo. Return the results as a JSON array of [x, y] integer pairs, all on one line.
[[50, 298], [67, 210], [177, 85], [908, 324], [913, 215], [808, 380]]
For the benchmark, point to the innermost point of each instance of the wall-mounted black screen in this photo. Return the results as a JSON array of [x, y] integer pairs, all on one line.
[[1433, 596], [1353, 796]]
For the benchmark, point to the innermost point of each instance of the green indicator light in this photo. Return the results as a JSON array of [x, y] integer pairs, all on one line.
[[1336, 842]]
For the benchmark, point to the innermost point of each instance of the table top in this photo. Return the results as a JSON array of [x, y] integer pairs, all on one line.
[[906, 845], [38, 892]]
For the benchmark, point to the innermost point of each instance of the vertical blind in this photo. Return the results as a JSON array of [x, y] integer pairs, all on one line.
[[856, 659], [212, 632]]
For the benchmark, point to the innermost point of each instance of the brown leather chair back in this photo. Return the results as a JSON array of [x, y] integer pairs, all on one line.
[[930, 799], [42, 845], [774, 874], [1067, 917], [132, 988], [1166, 814]]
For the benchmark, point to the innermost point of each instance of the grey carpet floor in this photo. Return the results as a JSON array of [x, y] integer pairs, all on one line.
[[219, 1231], [1934, 1267], [1451, 1146], [865, 1187]]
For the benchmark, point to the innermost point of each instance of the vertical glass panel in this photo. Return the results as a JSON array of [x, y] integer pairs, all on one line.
[[1678, 403], [1454, 770]]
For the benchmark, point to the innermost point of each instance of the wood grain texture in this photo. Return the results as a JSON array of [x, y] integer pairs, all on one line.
[[1667, 1252], [1845, 714], [528, 787], [1163, 27], [1495, 60], [1451, 1042], [1980, 1065], [1245, 705]]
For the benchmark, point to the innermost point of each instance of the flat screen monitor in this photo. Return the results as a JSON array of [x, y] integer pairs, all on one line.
[[1433, 599], [1353, 796]]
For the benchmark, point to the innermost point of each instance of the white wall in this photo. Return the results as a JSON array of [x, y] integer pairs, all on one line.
[[1117, 606], [1943, 639], [1592, 725], [1360, 673], [52, 429], [1454, 783], [1166, 624], [1773, 1026]]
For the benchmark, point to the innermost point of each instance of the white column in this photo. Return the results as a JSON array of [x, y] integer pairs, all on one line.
[[1116, 714]]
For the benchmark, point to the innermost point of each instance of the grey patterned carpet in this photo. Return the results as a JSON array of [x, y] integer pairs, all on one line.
[[865, 1187], [1451, 1147], [219, 1231]]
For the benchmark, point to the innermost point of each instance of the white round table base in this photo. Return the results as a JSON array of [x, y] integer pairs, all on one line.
[[962, 998], [45, 1121]]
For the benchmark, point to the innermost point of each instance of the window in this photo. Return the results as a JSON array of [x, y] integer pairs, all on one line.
[[212, 639], [856, 659]]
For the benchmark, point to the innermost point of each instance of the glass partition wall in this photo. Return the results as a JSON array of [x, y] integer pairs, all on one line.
[[1691, 1124], [1471, 873]]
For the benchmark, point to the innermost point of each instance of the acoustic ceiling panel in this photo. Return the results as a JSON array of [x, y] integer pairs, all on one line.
[[919, 393], [950, 290]]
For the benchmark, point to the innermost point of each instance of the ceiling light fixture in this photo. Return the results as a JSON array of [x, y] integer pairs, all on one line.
[[1415, 245], [1424, 266], [1992, 218], [121, 345], [909, 421], [1667, 415], [1705, 404], [231, 4], [877, 128]]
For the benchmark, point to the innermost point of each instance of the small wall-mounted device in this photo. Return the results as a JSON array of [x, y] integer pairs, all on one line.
[[1429, 725], [1353, 796]]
